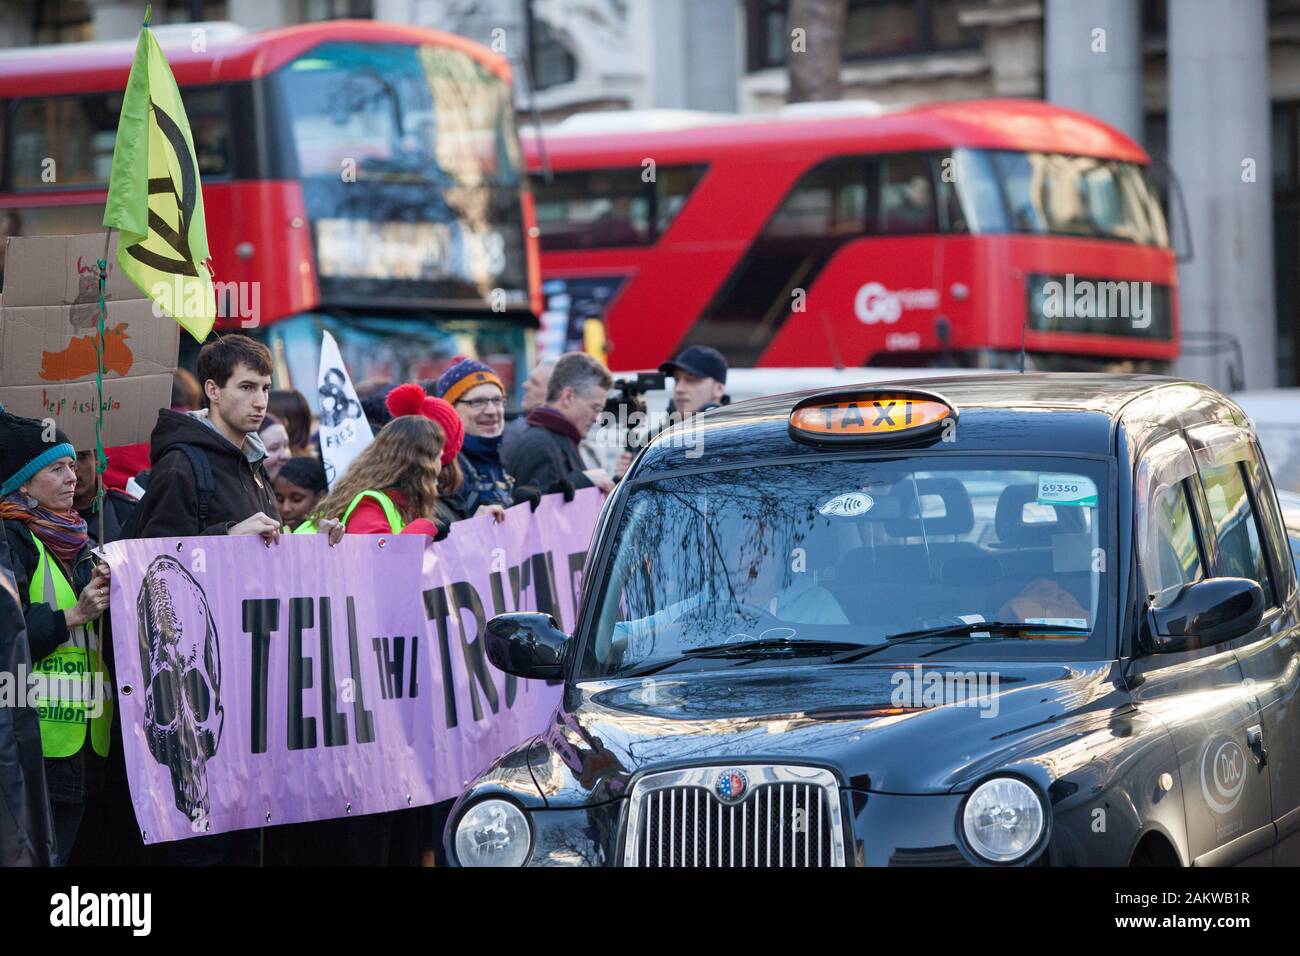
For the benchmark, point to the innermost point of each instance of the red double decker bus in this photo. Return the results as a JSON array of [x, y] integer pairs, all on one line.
[[938, 235], [360, 177]]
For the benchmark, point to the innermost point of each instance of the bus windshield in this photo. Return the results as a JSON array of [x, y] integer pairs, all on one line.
[[1053, 194], [411, 173]]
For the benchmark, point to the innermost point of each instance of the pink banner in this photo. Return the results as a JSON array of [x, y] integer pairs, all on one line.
[[299, 682]]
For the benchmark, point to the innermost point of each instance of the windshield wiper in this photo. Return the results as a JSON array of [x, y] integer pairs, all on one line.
[[964, 630], [769, 643], [1001, 627], [743, 649]]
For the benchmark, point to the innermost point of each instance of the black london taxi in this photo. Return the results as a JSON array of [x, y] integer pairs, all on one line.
[[1011, 620]]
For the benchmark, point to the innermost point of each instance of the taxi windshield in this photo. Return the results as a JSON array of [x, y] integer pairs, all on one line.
[[856, 552]]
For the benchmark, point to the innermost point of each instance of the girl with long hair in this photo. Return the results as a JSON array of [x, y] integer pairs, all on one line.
[[396, 477]]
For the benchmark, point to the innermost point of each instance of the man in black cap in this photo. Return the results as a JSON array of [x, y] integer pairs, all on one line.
[[699, 376]]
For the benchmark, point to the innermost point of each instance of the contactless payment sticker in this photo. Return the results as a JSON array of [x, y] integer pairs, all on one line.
[[848, 505], [1076, 491]]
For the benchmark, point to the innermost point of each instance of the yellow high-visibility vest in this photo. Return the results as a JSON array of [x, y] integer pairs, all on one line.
[[64, 700], [395, 522]]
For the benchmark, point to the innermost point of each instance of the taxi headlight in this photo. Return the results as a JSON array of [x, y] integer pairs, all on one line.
[[493, 833], [1003, 819]]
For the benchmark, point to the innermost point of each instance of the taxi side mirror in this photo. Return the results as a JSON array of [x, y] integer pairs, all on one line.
[[528, 645], [1203, 614]]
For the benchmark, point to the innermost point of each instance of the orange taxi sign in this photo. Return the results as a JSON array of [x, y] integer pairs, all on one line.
[[868, 415]]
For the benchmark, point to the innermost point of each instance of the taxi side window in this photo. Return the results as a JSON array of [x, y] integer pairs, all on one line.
[[1172, 556], [1238, 545], [1270, 513]]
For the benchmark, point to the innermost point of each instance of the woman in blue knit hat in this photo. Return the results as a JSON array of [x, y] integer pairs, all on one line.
[[63, 593], [478, 396]]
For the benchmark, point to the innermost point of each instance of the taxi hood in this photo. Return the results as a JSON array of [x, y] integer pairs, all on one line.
[[896, 727]]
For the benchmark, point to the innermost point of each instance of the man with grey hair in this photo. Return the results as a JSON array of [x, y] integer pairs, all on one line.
[[547, 451]]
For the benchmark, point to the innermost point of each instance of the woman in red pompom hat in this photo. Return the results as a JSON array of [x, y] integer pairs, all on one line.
[[412, 399], [394, 485]]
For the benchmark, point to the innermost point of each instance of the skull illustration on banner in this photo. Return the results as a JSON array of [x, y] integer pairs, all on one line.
[[180, 657]]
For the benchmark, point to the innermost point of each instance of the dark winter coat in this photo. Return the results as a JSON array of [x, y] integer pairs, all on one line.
[[26, 830], [118, 506], [241, 487], [485, 482], [541, 457]]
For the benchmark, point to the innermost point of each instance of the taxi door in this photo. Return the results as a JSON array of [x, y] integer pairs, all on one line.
[[1247, 544], [1200, 695]]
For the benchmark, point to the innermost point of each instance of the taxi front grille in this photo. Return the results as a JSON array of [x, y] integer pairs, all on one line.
[[788, 816]]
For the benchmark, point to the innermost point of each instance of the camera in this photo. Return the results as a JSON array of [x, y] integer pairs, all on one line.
[[626, 405]]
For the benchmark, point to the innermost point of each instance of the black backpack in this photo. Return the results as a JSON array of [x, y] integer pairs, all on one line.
[[203, 483]]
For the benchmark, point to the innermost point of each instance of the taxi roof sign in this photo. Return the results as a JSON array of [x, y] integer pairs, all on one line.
[[865, 414]]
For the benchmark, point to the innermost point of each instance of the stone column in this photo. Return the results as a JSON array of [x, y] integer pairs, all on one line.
[[116, 19], [261, 14], [1219, 148], [1093, 54]]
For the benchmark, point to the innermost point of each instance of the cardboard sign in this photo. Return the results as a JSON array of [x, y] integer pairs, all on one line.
[[49, 316], [130, 407]]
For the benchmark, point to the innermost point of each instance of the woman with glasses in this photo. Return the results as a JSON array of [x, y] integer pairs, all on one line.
[[478, 396]]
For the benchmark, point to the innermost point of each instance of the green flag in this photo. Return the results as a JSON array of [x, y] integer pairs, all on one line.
[[154, 198]]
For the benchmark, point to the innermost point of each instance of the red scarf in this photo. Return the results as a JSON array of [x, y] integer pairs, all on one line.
[[63, 532], [544, 416]]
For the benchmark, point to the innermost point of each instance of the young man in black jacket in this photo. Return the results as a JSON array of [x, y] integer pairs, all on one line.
[[235, 374]]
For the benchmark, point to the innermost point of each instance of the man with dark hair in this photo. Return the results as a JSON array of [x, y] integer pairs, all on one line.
[[699, 376], [235, 376], [547, 451]]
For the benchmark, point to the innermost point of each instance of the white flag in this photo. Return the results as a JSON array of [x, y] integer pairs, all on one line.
[[344, 430]]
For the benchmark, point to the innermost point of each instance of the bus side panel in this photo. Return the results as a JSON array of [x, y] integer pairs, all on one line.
[[886, 295], [930, 294], [278, 276]]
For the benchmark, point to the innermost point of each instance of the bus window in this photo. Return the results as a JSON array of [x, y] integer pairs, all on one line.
[[209, 128], [602, 208], [1018, 177], [830, 200], [64, 140], [599, 207], [975, 183], [76, 135], [410, 172], [1079, 196], [906, 196], [674, 184]]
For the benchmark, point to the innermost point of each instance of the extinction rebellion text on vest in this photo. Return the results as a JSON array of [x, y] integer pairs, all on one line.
[[71, 697]]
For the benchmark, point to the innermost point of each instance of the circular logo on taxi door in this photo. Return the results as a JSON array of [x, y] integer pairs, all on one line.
[[1223, 773]]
